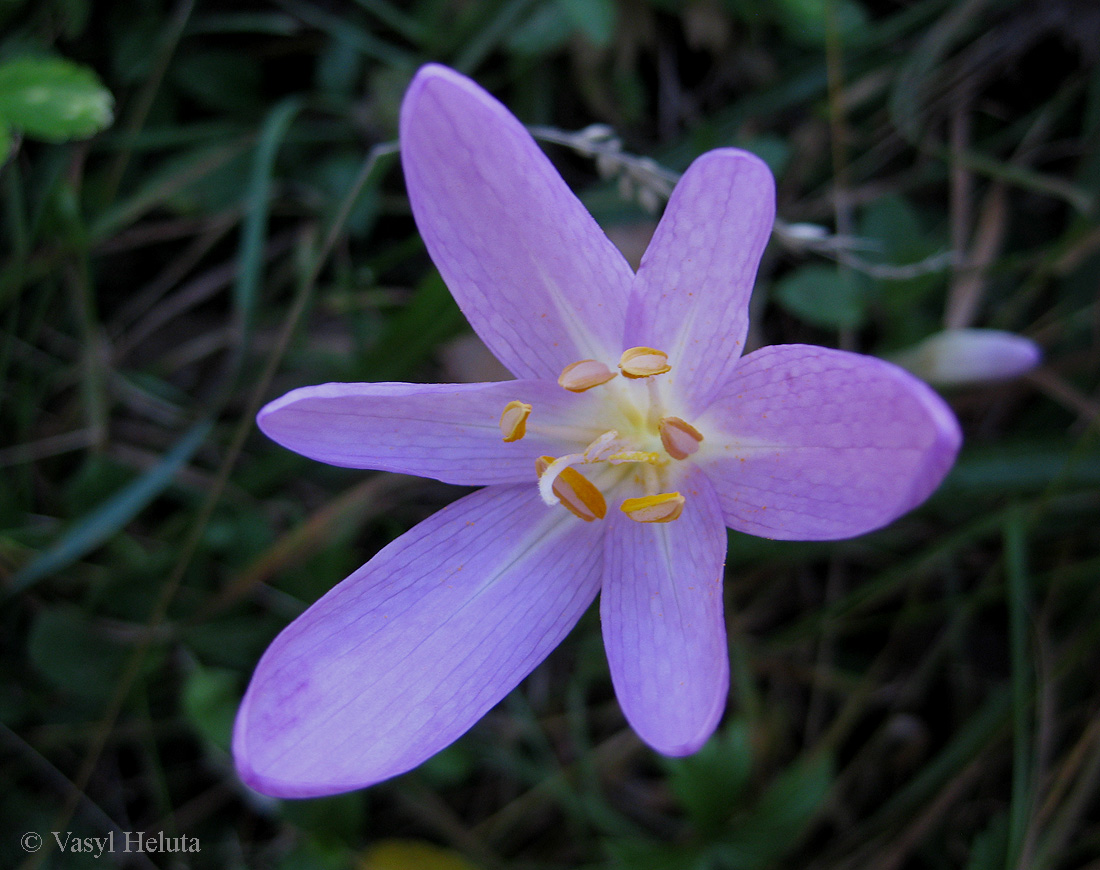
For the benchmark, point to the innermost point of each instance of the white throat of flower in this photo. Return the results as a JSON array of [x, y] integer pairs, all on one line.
[[654, 440]]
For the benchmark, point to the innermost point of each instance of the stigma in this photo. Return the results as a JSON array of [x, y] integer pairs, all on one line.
[[572, 489]]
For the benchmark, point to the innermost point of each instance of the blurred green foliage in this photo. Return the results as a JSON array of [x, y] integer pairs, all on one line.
[[50, 98], [923, 697]]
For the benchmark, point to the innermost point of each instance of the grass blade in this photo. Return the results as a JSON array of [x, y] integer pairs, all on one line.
[[111, 515]]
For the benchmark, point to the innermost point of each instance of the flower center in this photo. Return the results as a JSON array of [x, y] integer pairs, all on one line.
[[639, 441]]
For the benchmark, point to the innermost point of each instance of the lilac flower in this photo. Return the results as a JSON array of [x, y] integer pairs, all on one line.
[[632, 436]]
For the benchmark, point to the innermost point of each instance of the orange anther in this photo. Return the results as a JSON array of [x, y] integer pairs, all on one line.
[[513, 422], [584, 375], [644, 362], [575, 491], [679, 438], [661, 508]]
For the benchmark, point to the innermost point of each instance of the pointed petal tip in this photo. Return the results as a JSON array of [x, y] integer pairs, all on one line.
[[272, 780], [264, 415], [676, 744], [495, 214], [277, 787], [741, 172], [672, 738], [663, 621], [438, 79], [944, 441], [942, 450], [393, 665], [866, 442], [244, 762], [739, 160], [691, 294], [679, 750], [436, 72]]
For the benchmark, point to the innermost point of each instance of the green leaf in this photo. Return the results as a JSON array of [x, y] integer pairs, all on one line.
[[822, 296], [221, 80], [898, 236], [779, 819], [594, 18], [210, 699], [336, 820], [773, 150], [895, 226], [73, 16], [451, 766], [544, 31], [807, 21], [791, 802], [339, 70], [8, 8], [990, 847], [53, 99], [233, 641], [709, 783], [72, 654], [335, 176], [5, 142], [414, 333], [653, 855], [311, 855]]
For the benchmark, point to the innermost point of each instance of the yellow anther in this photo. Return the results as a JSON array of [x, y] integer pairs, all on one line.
[[575, 491], [635, 456], [679, 438], [643, 362], [513, 422], [661, 508], [584, 375]]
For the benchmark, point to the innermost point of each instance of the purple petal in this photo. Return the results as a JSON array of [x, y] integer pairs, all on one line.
[[807, 443], [691, 295], [447, 431], [536, 277], [413, 648], [663, 624]]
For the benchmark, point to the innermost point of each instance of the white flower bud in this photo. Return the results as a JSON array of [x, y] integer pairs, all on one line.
[[964, 356]]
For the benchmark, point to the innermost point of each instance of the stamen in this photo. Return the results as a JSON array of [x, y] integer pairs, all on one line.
[[549, 468], [584, 375], [661, 508], [679, 438], [513, 422], [575, 491], [635, 456], [644, 362]]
